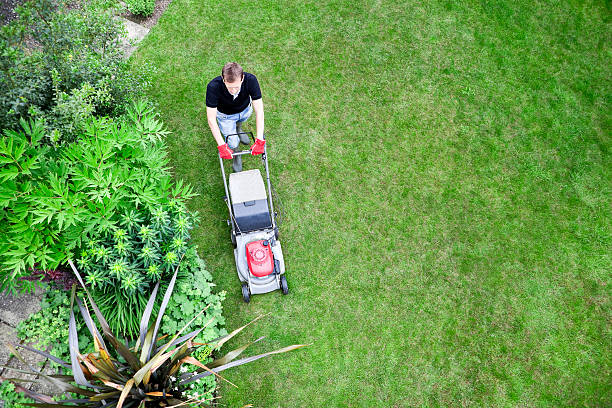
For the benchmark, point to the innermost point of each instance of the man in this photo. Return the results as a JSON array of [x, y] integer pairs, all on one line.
[[230, 100]]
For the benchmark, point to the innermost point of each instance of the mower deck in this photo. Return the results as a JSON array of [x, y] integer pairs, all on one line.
[[264, 284]]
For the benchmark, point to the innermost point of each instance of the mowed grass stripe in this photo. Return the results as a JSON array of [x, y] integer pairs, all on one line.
[[445, 173]]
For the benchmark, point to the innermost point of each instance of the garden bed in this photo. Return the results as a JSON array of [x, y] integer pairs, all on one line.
[[148, 22]]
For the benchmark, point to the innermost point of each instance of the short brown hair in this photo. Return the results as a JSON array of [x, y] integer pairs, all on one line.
[[232, 71]]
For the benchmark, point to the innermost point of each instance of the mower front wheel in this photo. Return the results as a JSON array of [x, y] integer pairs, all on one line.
[[283, 285], [246, 293]]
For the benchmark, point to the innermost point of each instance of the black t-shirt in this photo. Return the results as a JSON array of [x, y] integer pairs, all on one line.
[[217, 95]]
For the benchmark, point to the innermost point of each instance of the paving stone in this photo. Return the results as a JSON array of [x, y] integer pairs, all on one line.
[[14, 309], [7, 335], [16, 363], [44, 387], [32, 359], [135, 33]]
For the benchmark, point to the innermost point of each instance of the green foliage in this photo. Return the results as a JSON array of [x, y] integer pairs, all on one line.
[[70, 111], [11, 398], [122, 310], [49, 326], [141, 7], [56, 55], [24, 240], [194, 290], [191, 293], [205, 387], [56, 201]]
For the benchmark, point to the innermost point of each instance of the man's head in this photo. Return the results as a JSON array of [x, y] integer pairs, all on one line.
[[232, 75]]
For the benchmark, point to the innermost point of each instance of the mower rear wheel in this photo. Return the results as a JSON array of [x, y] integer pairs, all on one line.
[[233, 237], [283, 284], [246, 293]]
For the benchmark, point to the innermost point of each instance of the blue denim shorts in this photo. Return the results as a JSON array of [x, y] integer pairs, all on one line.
[[227, 125]]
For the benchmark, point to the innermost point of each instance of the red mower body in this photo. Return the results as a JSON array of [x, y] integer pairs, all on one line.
[[260, 258]]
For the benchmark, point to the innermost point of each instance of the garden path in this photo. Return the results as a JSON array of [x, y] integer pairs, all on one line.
[[135, 34], [14, 309]]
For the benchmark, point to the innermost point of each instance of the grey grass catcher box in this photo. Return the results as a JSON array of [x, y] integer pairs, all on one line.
[[249, 201]]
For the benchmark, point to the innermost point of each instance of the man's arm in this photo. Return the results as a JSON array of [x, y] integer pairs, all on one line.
[[259, 117], [211, 115]]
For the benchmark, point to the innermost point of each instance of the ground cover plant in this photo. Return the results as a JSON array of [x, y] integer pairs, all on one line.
[[446, 174], [12, 398]]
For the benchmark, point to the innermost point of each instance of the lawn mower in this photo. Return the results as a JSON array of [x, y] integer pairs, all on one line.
[[254, 230]]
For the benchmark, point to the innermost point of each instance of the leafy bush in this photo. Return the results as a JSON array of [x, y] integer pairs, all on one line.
[[53, 55], [123, 266], [56, 201], [143, 8], [70, 112]]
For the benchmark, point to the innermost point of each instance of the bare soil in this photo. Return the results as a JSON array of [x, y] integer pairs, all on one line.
[[7, 12]]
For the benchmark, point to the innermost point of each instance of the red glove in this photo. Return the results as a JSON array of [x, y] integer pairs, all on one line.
[[258, 147], [224, 151]]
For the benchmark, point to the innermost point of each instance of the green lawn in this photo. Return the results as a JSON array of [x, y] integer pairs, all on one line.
[[446, 174]]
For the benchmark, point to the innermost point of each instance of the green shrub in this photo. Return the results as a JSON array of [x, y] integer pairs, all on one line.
[[71, 111], [192, 293], [55, 201], [143, 8], [51, 50], [124, 266]]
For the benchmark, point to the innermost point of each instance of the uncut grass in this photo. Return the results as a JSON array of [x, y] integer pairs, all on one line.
[[445, 173]]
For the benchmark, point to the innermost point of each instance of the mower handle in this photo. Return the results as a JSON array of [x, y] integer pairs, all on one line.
[[241, 153]]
